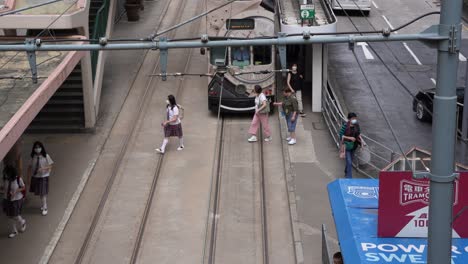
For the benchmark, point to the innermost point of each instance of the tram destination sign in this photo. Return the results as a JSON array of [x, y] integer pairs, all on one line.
[[307, 11], [240, 24]]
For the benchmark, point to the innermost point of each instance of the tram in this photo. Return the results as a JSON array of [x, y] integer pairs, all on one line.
[[238, 69]]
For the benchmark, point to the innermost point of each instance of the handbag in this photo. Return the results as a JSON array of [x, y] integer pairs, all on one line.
[[265, 110], [342, 151], [363, 154]]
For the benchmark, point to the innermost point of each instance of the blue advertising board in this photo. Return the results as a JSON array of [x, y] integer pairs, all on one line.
[[354, 204]]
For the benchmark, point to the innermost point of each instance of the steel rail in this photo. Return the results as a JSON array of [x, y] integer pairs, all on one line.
[[263, 198], [122, 151], [148, 206]]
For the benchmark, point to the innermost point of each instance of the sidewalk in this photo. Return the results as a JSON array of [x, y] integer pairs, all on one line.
[[314, 164], [74, 154]]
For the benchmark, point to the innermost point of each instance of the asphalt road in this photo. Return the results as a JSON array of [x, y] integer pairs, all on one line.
[[413, 63]]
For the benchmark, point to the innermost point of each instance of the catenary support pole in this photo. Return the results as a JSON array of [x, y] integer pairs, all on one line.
[[465, 108], [443, 137]]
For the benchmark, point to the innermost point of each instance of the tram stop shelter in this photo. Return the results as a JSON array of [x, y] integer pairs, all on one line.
[[354, 204]]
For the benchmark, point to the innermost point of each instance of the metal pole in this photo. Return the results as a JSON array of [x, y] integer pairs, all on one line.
[[291, 40], [465, 108], [443, 137]]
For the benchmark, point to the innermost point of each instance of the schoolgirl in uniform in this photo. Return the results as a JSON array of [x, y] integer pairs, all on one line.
[[39, 169], [13, 187], [172, 125]]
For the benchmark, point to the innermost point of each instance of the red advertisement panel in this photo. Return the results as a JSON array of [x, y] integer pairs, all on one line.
[[404, 205]]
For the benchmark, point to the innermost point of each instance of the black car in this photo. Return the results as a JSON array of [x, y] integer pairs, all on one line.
[[422, 104]]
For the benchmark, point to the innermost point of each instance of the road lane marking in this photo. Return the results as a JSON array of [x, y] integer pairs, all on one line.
[[388, 22], [375, 5], [461, 57], [434, 81], [366, 51], [412, 53]]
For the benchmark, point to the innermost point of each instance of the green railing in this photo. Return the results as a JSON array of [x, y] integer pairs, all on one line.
[[99, 30]]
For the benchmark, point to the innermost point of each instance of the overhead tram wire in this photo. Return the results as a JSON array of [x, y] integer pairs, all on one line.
[[393, 54], [150, 38], [392, 131]]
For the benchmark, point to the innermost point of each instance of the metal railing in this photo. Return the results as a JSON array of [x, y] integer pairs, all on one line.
[[99, 30], [326, 256], [334, 117]]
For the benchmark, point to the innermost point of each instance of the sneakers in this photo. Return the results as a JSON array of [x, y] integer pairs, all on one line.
[[302, 114], [23, 227], [268, 139], [180, 147], [288, 139], [158, 150], [292, 141], [12, 234], [44, 211], [252, 139]]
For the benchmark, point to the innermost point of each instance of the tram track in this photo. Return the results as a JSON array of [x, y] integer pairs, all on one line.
[[228, 196], [130, 137]]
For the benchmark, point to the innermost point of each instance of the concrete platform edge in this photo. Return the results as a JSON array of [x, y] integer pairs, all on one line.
[[49, 250], [289, 174]]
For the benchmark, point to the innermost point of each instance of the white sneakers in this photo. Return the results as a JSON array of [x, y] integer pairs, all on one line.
[[288, 138], [44, 211], [23, 226], [252, 139], [292, 141], [158, 150], [22, 229]]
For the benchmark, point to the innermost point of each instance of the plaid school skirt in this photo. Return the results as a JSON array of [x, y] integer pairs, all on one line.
[[173, 131], [39, 186], [12, 208]]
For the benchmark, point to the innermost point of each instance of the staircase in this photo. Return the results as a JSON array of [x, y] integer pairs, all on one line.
[[93, 9], [64, 113]]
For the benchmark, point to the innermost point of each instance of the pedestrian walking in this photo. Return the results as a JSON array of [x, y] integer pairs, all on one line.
[[13, 188], [350, 136], [39, 172], [295, 82], [262, 110], [290, 110], [172, 125]]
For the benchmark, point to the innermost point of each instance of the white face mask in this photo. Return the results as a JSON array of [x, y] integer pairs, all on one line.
[[167, 102], [294, 68], [354, 121], [38, 150]]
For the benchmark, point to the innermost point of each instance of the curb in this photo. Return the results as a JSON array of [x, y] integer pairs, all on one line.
[[289, 178]]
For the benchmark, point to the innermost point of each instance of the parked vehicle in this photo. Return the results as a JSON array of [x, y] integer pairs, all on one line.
[[423, 104]]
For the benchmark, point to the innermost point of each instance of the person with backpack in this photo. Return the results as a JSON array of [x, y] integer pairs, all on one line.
[[39, 170], [262, 110], [172, 125], [350, 136], [13, 188], [290, 110]]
